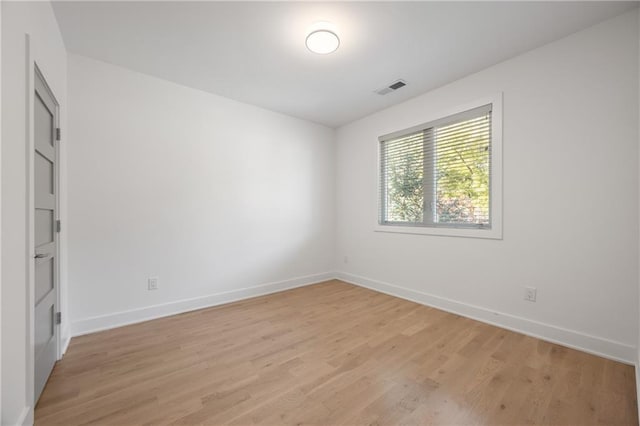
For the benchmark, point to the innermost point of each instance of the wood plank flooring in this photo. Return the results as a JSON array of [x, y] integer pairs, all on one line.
[[330, 353]]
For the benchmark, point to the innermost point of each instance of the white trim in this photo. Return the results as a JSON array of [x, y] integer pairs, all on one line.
[[118, 319], [443, 232], [496, 178], [66, 339], [638, 320], [26, 417], [0, 213], [605, 348], [30, 180], [595, 345]]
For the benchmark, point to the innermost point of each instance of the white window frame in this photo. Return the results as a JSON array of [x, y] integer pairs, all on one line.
[[495, 232]]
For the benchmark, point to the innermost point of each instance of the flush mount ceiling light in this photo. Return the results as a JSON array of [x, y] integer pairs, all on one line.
[[322, 38]]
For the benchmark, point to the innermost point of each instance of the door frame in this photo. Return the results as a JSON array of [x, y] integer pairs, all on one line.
[[33, 72]]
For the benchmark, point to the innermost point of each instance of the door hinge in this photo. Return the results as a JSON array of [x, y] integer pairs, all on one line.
[[57, 133], [58, 226], [58, 318]]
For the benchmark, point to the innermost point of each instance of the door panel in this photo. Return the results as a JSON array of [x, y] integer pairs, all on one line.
[[44, 175], [44, 280], [44, 120], [45, 327], [44, 226], [45, 235]]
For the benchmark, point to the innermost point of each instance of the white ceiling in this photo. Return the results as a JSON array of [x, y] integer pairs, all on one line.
[[255, 52]]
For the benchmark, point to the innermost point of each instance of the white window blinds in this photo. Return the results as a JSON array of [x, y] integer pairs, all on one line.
[[438, 174]]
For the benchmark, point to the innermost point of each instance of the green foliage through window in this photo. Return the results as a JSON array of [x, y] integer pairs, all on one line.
[[439, 175]]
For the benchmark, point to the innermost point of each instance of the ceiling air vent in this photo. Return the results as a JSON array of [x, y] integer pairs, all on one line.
[[390, 88]]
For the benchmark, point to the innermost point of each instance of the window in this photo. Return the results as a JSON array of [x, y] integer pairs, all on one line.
[[442, 177]]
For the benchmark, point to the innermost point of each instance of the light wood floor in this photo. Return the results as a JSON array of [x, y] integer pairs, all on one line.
[[329, 354]]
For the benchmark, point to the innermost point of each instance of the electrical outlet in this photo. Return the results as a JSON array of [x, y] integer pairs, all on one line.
[[153, 283], [530, 294]]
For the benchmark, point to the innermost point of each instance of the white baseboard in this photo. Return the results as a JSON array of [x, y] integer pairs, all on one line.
[[118, 319], [574, 339], [65, 344], [26, 417]]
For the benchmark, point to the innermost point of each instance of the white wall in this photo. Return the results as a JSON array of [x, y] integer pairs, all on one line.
[[570, 198], [208, 194], [47, 49]]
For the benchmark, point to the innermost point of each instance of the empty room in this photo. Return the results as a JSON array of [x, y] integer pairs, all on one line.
[[322, 213]]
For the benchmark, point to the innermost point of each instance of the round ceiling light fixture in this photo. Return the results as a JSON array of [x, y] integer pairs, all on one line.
[[322, 39]]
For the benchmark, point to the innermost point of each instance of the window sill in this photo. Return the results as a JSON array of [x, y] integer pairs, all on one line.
[[493, 234]]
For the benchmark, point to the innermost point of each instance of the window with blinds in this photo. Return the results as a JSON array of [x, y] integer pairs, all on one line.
[[439, 174]]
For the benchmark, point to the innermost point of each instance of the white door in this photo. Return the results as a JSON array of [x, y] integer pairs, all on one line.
[[45, 233]]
